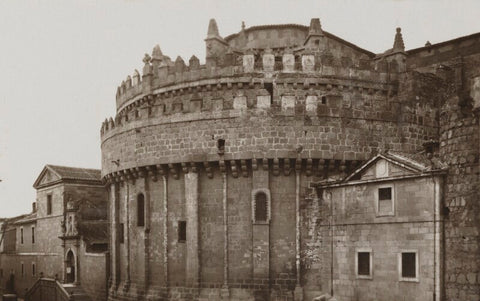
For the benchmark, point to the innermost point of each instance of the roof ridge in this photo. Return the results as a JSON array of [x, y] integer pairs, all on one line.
[[72, 167]]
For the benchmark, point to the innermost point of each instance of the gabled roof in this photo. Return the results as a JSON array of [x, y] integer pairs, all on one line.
[[29, 218], [63, 173], [415, 164]]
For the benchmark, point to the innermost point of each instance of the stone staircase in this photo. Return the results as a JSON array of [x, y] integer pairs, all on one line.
[[77, 292]]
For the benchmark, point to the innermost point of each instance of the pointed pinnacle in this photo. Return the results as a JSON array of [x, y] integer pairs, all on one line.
[[398, 43], [156, 52], [315, 27], [212, 29]]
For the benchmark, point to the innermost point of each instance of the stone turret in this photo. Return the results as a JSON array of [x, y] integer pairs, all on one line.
[[398, 42], [315, 37], [215, 44], [157, 57]]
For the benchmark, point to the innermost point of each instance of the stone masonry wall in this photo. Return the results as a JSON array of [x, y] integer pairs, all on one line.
[[459, 139], [354, 225]]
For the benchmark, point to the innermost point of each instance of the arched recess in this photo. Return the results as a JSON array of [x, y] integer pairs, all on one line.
[[71, 267]]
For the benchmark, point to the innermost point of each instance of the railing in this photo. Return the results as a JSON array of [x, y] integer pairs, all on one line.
[[47, 289]]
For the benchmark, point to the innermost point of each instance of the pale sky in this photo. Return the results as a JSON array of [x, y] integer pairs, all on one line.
[[61, 62]]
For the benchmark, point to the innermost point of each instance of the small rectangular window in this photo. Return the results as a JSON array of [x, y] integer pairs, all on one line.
[[182, 231], [363, 264], [121, 233], [385, 201], [49, 204], [1, 273], [21, 236], [23, 270], [408, 265], [33, 235], [33, 269]]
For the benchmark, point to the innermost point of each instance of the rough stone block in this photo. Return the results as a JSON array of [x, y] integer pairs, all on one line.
[[264, 101]]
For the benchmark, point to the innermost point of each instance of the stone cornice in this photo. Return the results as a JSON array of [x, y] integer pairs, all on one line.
[[236, 167]]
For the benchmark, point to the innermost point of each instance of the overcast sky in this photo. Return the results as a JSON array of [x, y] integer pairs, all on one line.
[[61, 62]]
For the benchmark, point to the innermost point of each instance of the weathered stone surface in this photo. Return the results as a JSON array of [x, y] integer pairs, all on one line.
[[315, 112]]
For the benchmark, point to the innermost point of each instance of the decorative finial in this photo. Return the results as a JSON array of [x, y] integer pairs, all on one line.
[[147, 58], [398, 43], [243, 25], [212, 29], [428, 44]]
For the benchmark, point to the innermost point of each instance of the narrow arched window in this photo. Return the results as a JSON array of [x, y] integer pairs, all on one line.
[[140, 210], [261, 207]]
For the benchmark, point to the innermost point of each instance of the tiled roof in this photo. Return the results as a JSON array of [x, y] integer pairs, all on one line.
[[76, 173], [419, 161], [27, 218]]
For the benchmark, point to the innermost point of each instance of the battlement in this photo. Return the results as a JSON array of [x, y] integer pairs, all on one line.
[[249, 54]]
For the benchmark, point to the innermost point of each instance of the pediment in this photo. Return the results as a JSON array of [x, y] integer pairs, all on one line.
[[385, 166], [46, 176]]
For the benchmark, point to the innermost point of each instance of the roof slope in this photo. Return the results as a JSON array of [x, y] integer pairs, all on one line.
[[61, 173], [76, 173]]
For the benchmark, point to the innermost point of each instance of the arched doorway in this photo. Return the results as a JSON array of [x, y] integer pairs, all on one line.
[[70, 267]]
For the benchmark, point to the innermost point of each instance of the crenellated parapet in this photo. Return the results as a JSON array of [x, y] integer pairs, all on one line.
[[320, 55]]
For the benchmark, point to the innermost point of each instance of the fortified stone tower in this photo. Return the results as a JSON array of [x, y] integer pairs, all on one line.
[[209, 167]]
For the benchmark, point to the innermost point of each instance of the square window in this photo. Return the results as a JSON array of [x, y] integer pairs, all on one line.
[[385, 201], [385, 193], [182, 231], [363, 263], [408, 265]]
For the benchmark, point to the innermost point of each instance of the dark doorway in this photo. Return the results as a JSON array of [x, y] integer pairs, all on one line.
[[70, 267]]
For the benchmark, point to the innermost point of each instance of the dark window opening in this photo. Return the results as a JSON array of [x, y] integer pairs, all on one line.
[[21, 235], [140, 210], [33, 235], [33, 269], [182, 231], [324, 100], [385, 202], [317, 42], [49, 204], [269, 88], [23, 270], [409, 269], [221, 145], [261, 207], [121, 233], [384, 194], [1, 273], [364, 263]]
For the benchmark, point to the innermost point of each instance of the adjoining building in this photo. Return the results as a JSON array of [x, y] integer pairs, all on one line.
[[223, 177], [65, 237], [381, 227]]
